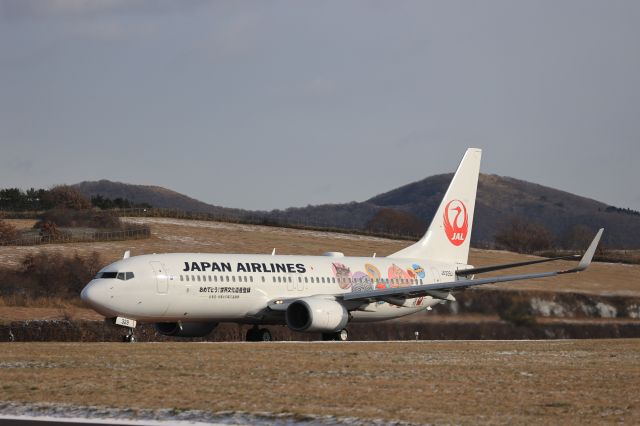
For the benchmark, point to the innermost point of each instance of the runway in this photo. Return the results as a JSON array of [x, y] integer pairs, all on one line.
[[56, 421]]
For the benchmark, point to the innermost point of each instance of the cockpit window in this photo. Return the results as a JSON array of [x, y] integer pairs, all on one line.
[[108, 275], [124, 276]]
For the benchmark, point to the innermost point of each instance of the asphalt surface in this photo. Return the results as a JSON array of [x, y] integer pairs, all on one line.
[[52, 421]]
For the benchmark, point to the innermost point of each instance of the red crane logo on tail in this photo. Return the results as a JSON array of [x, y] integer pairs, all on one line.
[[455, 226]]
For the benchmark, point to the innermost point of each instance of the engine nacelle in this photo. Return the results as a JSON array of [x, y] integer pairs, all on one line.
[[316, 314], [185, 329]]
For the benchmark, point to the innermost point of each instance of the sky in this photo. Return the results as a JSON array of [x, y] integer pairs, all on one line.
[[273, 104]]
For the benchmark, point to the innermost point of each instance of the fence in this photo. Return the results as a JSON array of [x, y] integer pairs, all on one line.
[[82, 237]]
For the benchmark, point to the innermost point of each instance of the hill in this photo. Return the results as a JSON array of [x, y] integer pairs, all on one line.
[[155, 196], [503, 199], [500, 200]]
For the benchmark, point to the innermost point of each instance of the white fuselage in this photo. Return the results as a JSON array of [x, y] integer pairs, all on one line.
[[239, 287]]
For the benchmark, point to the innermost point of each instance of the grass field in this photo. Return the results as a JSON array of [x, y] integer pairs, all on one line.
[[175, 235], [527, 382]]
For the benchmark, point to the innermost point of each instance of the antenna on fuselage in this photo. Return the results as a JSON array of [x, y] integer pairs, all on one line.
[[374, 255], [127, 254], [273, 253]]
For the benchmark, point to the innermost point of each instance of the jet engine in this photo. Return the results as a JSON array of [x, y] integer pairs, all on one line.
[[316, 314], [185, 329]]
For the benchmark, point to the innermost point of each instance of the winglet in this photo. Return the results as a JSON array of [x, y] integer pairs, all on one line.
[[588, 255]]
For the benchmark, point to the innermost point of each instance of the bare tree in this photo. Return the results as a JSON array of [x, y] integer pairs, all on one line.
[[525, 237], [390, 221], [66, 197]]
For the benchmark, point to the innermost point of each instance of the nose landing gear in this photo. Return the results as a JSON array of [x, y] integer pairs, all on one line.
[[129, 337], [125, 322]]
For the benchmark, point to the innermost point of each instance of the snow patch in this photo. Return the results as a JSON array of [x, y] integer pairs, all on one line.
[[606, 311], [633, 311], [548, 308]]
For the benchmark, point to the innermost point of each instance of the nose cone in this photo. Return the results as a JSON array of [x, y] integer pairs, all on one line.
[[96, 295]]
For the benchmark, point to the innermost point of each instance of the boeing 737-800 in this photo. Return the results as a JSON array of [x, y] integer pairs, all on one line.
[[188, 294]]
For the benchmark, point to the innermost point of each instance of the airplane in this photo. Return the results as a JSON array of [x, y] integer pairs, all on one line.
[[189, 294]]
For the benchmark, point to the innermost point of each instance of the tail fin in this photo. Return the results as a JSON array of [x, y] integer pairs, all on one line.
[[448, 236]]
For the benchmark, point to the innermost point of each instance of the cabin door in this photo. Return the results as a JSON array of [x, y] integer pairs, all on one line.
[[162, 277]]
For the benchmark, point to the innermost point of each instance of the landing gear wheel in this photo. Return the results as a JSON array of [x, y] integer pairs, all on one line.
[[259, 335], [340, 336], [129, 337], [252, 335], [264, 335]]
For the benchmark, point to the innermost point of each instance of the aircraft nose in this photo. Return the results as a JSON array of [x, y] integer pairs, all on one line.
[[84, 295], [93, 294]]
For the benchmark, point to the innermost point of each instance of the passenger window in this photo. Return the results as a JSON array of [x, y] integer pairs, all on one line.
[[299, 279], [251, 279], [263, 278], [198, 277], [227, 278], [333, 280], [233, 278], [279, 279], [209, 278], [289, 279], [181, 278], [306, 280], [274, 279], [322, 280]]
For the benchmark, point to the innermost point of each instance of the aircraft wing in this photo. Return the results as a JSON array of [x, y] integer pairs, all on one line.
[[440, 290]]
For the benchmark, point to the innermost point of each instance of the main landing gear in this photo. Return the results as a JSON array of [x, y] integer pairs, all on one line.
[[340, 336], [256, 334]]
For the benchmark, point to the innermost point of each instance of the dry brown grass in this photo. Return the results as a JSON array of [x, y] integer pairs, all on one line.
[[557, 382], [175, 235], [21, 224], [19, 308], [37, 302]]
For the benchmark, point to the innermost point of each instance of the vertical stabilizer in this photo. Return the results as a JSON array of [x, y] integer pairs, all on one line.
[[449, 235]]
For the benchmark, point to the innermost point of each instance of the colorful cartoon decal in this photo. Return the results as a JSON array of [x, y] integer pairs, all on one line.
[[375, 276], [342, 274], [361, 282], [398, 276], [418, 270], [456, 231], [372, 271]]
